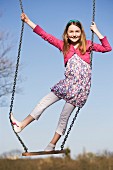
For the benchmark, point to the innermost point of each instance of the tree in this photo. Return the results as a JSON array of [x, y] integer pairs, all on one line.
[[6, 66]]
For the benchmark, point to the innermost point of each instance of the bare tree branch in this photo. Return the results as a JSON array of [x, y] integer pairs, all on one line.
[[7, 66]]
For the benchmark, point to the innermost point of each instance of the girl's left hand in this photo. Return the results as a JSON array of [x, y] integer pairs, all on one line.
[[93, 27]]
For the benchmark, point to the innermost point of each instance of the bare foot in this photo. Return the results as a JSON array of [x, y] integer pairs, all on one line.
[[17, 125]]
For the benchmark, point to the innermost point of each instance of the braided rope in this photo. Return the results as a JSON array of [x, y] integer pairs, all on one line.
[[92, 38], [15, 80]]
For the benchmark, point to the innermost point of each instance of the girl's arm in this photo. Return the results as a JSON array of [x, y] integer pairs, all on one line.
[[25, 18], [94, 28], [38, 30], [104, 46]]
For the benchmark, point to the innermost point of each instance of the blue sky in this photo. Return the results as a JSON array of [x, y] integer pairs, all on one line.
[[42, 66]]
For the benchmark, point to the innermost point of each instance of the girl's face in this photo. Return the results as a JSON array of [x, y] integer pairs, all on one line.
[[74, 33]]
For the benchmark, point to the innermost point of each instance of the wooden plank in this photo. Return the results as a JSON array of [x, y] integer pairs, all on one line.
[[44, 152]]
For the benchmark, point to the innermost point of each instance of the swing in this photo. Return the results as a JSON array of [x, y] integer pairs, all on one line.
[[62, 150], [45, 152]]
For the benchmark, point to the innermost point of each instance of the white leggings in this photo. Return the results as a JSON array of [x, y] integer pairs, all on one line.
[[64, 116]]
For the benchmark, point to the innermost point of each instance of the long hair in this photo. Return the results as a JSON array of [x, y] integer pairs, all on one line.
[[82, 41]]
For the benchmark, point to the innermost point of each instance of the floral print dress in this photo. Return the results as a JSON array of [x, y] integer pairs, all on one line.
[[75, 87]]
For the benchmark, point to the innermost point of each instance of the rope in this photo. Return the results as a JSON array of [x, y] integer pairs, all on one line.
[[15, 80], [92, 38], [91, 57]]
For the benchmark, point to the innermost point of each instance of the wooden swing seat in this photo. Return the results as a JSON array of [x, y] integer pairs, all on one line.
[[44, 152]]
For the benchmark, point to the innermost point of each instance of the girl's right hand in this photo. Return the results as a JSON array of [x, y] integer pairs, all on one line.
[[24, 17]]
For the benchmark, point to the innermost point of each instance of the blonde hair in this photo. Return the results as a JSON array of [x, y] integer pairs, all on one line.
[[82, 41]]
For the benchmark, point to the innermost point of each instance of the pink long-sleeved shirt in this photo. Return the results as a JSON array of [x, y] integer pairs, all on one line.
[[103, 47]]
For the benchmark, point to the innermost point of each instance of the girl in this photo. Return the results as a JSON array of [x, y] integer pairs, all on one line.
[[75, 87]]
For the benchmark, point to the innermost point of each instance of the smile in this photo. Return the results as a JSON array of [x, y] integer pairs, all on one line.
[[74, 37]]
